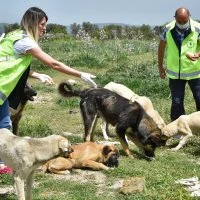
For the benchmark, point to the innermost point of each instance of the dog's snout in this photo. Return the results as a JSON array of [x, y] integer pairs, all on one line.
[[113, 160], [31, 92], [116, 155], [70, 150], [67, 151], [149, 153], [34, 93]]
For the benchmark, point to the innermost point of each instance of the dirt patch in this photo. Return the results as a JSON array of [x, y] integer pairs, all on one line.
[[84, 176], [43, 99], [95, 177]]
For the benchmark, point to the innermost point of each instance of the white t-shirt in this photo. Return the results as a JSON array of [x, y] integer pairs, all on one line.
[[23, 45]]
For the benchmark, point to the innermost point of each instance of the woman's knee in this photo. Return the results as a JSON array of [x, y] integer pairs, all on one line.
[[5, 121]]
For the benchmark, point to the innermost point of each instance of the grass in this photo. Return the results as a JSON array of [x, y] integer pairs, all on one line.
[[52, 114]]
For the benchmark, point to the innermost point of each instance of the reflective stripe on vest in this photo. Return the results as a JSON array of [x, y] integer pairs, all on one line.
[[2, 96], [7, 58], [186, 75]]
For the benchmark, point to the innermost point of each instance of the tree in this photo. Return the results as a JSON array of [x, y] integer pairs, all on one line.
[[56, 28], [146, 32], [158, 30], [75, 28], [113, 31], [11, 27], [88, 27]]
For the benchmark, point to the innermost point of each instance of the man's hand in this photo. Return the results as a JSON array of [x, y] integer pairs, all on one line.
[[162, 72], [192, 56]]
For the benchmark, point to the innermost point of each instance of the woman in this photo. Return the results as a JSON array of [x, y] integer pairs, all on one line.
[[16, 51]]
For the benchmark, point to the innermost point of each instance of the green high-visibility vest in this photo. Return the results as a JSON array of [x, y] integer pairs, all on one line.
[[12, 66], [178, 65]]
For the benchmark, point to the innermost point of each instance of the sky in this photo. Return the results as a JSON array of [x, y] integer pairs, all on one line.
[[132, 12]]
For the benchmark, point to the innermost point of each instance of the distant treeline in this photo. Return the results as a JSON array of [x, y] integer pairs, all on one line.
[[51, 28], [113, 31], [109, 31]]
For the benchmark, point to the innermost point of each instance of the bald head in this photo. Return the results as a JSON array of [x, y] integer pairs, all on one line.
[[182, 11], [182, 15]]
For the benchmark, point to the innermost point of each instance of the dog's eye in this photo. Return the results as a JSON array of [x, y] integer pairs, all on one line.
[[109, 151]]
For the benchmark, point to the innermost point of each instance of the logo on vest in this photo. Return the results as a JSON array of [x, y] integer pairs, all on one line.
[[190, 44]]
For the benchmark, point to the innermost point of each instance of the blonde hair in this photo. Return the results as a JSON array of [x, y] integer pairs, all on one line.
[[30, 21]]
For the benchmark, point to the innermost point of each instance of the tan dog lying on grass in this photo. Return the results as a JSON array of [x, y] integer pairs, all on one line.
[[24, 155], [85, 155], [145, 102], [185, 125]]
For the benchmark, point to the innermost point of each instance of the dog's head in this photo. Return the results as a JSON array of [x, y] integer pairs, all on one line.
[[149, 148], [29, 92], [153, 141], [110, 155], [65, 147]]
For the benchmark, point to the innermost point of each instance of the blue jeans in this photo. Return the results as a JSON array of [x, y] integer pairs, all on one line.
[[177, 88], [5, 121]]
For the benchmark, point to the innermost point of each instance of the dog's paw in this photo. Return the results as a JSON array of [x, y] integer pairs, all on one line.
[[111, 168], [107, 168], [67, 172]]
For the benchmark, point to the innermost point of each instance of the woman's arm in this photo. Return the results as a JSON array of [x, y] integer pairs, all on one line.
[[54, 64]]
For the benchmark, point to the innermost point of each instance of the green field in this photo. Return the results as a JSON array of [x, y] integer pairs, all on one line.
[[129, 62]]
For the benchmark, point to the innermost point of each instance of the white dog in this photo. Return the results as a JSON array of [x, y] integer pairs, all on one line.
[[142, 100], [185, 125], [24, 154]]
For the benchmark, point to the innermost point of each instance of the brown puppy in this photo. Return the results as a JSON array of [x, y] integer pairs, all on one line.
[[85, 155]]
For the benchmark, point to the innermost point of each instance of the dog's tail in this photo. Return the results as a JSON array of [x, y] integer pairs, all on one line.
[[66, 90]]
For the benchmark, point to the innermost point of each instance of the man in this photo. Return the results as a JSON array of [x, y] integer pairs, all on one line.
[[180, 38]]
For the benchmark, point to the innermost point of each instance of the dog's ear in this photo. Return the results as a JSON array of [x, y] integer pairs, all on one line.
[[106, 150], [64, 145]]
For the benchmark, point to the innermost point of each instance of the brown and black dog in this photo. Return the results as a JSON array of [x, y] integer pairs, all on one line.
[[85, 155], [16, 114], [129, 118]]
